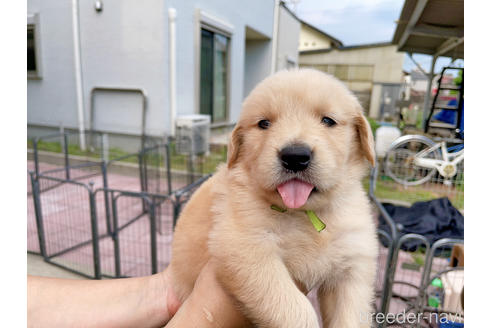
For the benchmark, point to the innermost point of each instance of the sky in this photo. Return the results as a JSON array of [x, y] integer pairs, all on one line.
[[358, 22]]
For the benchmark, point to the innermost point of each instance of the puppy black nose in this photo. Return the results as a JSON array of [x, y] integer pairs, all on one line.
[[295, 158]]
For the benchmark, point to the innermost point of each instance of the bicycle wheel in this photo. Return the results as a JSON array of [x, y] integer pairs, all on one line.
[[399, 160]]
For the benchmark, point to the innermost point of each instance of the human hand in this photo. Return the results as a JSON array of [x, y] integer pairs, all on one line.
[[209, 304]]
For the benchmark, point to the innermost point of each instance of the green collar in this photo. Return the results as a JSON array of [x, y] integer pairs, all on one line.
[[315, 220]]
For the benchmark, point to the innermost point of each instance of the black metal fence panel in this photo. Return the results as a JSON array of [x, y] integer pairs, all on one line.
[[68, 224]]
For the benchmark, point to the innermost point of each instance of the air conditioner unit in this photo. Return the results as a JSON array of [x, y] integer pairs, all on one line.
[[192, 134]]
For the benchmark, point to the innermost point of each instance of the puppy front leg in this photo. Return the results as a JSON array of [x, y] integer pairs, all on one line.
[[267, 293], [348, 302]]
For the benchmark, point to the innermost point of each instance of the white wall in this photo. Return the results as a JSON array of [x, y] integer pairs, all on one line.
[[256, 63], [51, 100], [288, 39], [126, 46], [310, 39]]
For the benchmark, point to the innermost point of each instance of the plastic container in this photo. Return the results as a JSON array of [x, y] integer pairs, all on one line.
[[385, 135]]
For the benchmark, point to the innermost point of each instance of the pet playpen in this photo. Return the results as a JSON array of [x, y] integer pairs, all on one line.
[[102, 212]]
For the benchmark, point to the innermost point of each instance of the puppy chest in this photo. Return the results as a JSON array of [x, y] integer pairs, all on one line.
[[311, 261]]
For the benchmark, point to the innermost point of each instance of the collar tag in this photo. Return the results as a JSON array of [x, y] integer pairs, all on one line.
[[316, 221], [278, 208]]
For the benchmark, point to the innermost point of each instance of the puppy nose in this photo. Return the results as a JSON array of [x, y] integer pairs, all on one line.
[[295, 158]]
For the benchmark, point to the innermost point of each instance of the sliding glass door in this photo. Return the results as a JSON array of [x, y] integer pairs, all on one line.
[[214, 54]]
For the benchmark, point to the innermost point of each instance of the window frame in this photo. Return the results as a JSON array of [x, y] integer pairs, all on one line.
[[208, 22], [33, 22]]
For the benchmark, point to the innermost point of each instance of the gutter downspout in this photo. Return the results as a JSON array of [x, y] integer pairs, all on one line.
[[172, 67], [276, 10], [78, 72]]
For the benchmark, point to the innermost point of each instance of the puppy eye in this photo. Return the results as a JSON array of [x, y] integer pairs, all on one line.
[[264, 124], [328, 121]]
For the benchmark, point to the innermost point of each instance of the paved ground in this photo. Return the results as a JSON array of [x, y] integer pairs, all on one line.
[[36, 266]]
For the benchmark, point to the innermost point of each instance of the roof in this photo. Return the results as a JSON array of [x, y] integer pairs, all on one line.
[[433, 27], [345, 48], [337, 43], [283, 5]]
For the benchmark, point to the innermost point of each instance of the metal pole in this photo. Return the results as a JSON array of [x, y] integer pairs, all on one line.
[[168, 165], [104, 172], [67, 161], [387, 284], [142, 185], [36, 159], [191, 169], [105, 147], [38, 213], [78, 72], [153, 237], [172, 68], [176, 210], [116, 239], [428, 92], [95, 234]]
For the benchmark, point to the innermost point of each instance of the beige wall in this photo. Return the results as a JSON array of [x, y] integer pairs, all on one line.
[[310, 39], [386, 63]]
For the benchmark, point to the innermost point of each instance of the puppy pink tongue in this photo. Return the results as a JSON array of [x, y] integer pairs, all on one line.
[[295, 192]]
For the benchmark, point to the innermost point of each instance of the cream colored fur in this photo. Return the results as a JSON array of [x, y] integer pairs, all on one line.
[[269, 260]]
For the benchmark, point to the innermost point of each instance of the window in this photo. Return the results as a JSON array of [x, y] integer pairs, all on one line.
[[33, 55], [214, 55]]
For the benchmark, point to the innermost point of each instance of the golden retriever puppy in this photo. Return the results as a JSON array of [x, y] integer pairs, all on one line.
[[288, 212]]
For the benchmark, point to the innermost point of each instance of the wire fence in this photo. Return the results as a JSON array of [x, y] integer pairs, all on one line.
[[106, 213]]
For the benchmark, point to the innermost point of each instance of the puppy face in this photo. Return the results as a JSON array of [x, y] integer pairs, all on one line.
[[301, 133]]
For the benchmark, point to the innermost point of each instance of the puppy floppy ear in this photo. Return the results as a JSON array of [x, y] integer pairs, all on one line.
[[234, 145], [365, 138]]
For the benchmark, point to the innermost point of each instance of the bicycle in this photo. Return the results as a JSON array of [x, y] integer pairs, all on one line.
[[414, 159]]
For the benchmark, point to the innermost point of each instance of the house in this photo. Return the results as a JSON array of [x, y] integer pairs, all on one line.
[[127, 67], [312, 38], [372, 71]]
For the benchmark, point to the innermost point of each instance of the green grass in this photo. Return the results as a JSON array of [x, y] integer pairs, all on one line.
[[75, 150], [203, 164], [388, 189]]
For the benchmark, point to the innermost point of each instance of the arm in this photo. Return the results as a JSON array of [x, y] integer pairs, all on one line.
[[131, 302]]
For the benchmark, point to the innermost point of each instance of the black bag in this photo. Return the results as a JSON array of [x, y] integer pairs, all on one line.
[[435, 219]]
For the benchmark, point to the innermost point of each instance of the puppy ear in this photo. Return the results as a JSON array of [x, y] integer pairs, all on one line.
[[366, 139], [234, 145]]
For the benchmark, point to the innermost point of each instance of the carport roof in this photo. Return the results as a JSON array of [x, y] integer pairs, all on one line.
[[433, 27]]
